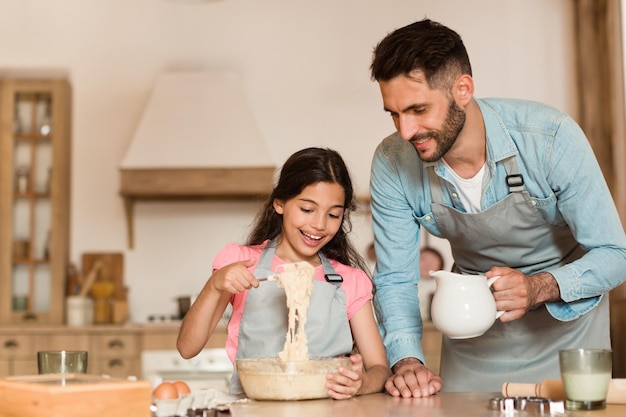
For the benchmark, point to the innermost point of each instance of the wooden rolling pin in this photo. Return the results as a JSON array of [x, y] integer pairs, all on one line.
[[553, 389]]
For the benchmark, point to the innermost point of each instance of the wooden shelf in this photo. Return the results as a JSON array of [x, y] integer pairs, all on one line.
[[34, 198], [189, 184]]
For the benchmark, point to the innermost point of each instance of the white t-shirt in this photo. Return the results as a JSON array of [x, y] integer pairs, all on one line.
[[470, 189]]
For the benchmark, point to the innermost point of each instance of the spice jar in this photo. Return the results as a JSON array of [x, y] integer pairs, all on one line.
[[102, 291]]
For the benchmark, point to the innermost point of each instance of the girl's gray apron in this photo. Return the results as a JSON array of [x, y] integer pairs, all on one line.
[[263, 326], [512, 233]]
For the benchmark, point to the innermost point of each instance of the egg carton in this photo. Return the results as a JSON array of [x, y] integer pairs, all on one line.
[[199, 403]]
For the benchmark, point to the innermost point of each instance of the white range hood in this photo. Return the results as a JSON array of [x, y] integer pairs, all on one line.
[[196, 139]]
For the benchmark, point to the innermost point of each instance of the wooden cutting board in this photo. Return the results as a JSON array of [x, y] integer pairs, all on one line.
[[112, 269], [73, 395]]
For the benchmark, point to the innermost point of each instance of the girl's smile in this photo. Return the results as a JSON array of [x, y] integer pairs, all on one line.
[[310, 221]]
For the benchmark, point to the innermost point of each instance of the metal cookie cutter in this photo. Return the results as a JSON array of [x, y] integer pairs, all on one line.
[[531, 405]]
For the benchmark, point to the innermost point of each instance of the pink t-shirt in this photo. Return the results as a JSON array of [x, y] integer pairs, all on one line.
[[356, 284]]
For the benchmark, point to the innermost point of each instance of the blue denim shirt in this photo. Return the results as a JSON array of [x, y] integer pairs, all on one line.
[[561, 175]]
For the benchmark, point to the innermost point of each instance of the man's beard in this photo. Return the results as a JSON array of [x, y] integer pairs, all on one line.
[[447, 135]]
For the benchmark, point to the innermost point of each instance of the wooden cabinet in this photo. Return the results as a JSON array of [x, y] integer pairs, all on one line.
[[115, 354], [112, 350], [18, 349], [163, 337], [15, 349], [34, 199]]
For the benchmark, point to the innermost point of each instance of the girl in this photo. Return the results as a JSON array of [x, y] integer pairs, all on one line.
[[306, 218]]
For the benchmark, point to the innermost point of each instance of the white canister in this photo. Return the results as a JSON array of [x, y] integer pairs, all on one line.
[[79, 310]]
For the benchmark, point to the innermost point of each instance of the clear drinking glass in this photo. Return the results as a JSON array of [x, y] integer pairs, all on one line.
[[586, 374], [62, 362]]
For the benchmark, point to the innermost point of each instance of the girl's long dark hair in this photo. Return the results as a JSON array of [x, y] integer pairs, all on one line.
[[303, 168]]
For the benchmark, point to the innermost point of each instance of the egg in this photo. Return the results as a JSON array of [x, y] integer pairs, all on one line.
[[182, 388], [165, 391]]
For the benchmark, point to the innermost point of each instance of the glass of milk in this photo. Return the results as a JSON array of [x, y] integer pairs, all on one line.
[[586, 374]]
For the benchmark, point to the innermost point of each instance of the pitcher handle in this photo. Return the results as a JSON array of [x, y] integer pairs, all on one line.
[[490, 282]]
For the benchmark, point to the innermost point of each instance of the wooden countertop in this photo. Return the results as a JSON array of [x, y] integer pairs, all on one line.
[[444, 404]]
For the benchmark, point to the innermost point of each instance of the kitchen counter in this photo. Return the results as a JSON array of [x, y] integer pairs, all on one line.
[[445, 404]]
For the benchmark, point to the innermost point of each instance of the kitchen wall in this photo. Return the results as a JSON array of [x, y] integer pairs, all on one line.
[[305, 71]]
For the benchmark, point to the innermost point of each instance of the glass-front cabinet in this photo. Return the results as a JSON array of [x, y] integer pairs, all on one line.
[[34, 199]]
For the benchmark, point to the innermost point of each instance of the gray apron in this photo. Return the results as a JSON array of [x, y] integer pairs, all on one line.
[[512, 233], [264, 321]]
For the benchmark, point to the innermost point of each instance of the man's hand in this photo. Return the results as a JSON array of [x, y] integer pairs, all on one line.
[[517, 293], [412, 379]]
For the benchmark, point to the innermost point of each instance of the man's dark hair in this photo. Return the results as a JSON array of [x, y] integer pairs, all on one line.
[[435, 50]]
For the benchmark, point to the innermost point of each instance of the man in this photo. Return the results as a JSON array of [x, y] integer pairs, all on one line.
[[515, 188]]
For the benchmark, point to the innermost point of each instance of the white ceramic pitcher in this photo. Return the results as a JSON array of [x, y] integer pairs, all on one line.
[[463, 305]]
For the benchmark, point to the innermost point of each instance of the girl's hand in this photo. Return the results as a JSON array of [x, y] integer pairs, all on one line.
[[234, 278], [346, 383]]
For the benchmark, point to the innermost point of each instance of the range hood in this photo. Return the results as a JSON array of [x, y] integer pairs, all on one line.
[[196, 139]]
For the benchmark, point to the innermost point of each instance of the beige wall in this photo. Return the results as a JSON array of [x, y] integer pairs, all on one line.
[[305, 71]]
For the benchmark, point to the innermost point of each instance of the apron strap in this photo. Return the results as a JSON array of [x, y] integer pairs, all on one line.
[[514, 179], [329, 272], [265, 261], [435, 186]]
